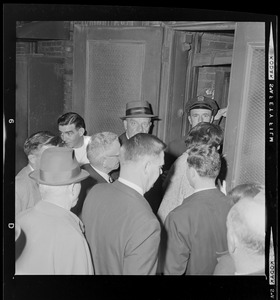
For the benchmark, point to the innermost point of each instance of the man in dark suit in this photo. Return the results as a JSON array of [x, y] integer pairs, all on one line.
[[139, 118], [122, 231], [103, 154], [196, 229]]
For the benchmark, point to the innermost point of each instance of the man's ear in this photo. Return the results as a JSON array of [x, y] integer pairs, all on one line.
[[75, 188], [125, 124], [81, 131], [193, 172], [32, 159], [211, 119], [190, 120], [232, 242], [147, 165]]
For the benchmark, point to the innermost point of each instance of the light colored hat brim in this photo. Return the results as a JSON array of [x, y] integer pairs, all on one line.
[[36, 176]]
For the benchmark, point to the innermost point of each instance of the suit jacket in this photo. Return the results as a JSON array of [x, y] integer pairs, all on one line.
[[55, 242], [27, 192], [123, 138], [196, 233], [86, 185], [122, 231], [155, 194]]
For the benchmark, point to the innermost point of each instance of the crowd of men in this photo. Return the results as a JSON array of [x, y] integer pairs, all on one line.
[[107, 205]]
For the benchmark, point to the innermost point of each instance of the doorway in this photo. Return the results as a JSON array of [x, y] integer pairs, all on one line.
[[201, 66]]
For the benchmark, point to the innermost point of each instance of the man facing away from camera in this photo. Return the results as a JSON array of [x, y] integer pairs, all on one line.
[[103, 152], [196, 230], [246, 235], [122, 231], [55, 241]]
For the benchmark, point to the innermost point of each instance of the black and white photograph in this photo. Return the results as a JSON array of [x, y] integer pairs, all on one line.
[[139, 141]]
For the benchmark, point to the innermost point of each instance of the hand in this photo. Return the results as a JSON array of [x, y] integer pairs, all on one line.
[[221, 113]]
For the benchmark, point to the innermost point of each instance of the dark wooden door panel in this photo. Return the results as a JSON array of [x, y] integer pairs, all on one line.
[[113, 66], [45, 93]]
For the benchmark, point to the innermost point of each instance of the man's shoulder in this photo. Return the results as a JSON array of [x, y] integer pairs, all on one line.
[[22, 179], [86, 139], [23, 173], [122, 138]]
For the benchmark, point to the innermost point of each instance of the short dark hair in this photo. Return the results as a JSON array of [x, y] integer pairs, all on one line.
[[205, 159], [71, 118], [38, 140], [205, 133], [141, 144]]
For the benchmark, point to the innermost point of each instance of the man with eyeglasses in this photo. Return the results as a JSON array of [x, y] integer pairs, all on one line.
[[103, 154]]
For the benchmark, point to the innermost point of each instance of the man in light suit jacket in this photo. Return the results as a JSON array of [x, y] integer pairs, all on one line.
[[55, 241], [26, 189], [122, 231], [103, 154]]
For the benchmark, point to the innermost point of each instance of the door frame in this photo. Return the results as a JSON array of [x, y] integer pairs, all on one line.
[[167, 68]]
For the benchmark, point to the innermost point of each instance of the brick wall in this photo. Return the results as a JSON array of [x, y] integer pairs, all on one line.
[[58, 48], [210, 43], [51, 48]]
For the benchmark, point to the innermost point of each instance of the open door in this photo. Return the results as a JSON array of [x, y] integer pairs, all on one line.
[[244, 142], [113, 66]]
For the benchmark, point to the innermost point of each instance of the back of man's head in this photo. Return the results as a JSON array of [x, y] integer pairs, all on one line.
[[71, 118], [99, 143], [39, 139], [139, 146], [246, 222], [205, 159], [243, 190], [204, 133]]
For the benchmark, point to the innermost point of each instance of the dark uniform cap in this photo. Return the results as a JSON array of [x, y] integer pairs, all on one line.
[[202, 102]]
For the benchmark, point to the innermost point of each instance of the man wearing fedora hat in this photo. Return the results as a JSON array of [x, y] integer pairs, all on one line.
[[55, 241], [138, 118]]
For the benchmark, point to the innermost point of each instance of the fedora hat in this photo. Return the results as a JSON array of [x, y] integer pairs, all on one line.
[[59, 166], [203, 102], [138, 109]]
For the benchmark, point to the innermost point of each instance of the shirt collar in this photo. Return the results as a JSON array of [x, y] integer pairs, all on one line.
[[134, 186], [204, 189], [101, 173], [53, 209], [31, 168]]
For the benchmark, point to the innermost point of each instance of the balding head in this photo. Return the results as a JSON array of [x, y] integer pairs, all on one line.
[[246, 224]]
